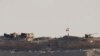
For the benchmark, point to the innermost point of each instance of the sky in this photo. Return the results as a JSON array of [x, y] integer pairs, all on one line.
[[50, 17]]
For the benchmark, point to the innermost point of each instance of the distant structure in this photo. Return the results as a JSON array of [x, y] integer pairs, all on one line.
[[67, 30], [11, 35], [14, 35], [89, 35], [26, 36], [29, 36]]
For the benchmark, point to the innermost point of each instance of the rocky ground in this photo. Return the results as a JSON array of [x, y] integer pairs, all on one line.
[[90, 52], [44, 53]]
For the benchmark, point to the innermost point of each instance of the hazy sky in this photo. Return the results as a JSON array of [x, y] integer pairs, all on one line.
[[50, 17]]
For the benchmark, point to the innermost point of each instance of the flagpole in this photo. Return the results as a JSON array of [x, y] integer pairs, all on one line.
[[67, 30]]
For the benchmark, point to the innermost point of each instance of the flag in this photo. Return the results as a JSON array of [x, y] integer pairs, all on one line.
[[67, 29]]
